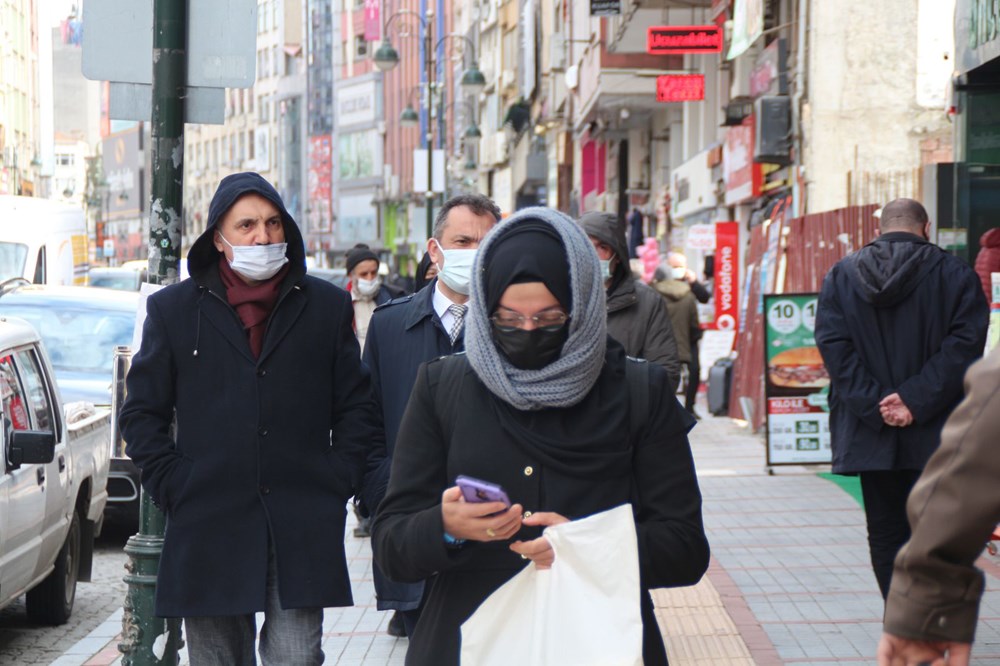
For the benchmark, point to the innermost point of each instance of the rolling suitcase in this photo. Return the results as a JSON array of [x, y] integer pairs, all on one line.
[[720, 377]]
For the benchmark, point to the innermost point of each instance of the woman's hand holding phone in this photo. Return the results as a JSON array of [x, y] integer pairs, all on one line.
[[478, 521]]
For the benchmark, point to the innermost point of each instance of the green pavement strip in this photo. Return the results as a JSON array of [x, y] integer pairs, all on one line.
[[850, 485]]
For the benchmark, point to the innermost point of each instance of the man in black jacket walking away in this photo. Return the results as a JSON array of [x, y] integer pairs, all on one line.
[[898, 324]]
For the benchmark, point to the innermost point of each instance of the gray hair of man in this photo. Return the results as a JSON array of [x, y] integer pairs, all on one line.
[[480, 204]]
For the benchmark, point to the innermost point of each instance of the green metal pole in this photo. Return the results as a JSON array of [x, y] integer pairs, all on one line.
[[147, 639], [429, 66]]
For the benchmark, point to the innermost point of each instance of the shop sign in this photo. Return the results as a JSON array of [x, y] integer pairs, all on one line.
[[356, 219], [691, 187], [359, 155], [320, 182], [977, 33], [121, 158], [727, 276], [748, 25], [605, 7], [680, 39], [680, 88], [743, 177], [356, 104], [700, 237], [768, 76], [372, 26], [796, 383]]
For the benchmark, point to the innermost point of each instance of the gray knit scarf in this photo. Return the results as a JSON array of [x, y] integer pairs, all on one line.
[[568, 379]]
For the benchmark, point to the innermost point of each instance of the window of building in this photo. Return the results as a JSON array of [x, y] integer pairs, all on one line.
[[249, 95], [64, 159], [360, 47], [250, 144]]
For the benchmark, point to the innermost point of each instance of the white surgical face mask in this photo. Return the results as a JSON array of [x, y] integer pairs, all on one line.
[[678, 272], [605, 269], [367, 288], [257, 262], [457, 269]]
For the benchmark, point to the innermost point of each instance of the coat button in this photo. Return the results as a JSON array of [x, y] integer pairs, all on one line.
[[529, 470], [942, 621], [262, 431], [264, 490], [261, 372], [527, 514]]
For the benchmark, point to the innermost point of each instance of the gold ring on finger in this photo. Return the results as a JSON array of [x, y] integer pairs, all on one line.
[[490, 533]]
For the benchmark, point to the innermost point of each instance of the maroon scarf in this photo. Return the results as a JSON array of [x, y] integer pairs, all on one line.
[[252, 304]]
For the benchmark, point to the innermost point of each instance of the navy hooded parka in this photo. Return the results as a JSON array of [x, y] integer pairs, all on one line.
[[265, 450]]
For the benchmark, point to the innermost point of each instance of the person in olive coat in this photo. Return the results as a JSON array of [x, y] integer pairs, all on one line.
[[539, 404], [248, 413]]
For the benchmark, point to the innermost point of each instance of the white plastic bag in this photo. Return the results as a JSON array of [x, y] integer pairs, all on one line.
[[584, 610]]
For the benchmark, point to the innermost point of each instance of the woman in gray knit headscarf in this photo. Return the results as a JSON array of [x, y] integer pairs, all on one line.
[[539, 405]]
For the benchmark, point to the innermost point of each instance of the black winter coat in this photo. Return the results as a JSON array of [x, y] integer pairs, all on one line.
[[270, 448], [402, 335], [898, 316], [408, 534]]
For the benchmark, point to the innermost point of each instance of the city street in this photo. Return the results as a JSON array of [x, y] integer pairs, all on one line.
[[24, 643]]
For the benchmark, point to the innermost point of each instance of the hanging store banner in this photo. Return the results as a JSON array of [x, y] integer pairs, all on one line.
[[727, 276], [748, 25], [320, 180], [372, 26], [796, 383], [680, 88], [680, 39], [743, 177], [768, 76], [605, 7]]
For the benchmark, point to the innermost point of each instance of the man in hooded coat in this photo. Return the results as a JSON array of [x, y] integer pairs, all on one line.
[[898, 324], [248, 413], [637, 316]]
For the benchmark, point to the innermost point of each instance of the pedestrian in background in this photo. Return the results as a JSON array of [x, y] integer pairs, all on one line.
[[637, 316], [683, 311], [934, 599], [898, 324], [366, 288], [248, 412], [988, 260], [405, 333], [539, 404], [426, 271], [636, 233]]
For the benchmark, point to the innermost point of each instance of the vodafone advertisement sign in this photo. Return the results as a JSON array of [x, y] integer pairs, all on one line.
[[727, 276]]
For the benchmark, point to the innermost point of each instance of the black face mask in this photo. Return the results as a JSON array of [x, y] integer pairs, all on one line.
[[531, 350]]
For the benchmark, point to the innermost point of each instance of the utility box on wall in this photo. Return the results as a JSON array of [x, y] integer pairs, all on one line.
[[773, 131]]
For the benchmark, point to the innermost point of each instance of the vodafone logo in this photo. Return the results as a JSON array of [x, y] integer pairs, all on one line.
[[726, 322]]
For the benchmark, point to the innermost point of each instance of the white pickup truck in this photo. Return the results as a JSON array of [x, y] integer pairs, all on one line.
[[53, 480]]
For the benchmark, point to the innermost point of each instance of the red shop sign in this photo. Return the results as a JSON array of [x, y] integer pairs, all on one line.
[[678, 39], [727, 275], [680, 88]]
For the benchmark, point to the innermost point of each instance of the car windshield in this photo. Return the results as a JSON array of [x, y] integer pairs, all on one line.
[[123, 281], [12, 258], [76, 339]]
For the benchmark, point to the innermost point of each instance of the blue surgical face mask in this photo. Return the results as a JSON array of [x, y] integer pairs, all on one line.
[[257, 262], [457, 269], [605, 269]]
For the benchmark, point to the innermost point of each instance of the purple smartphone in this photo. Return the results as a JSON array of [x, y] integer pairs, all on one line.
[[475, 490]]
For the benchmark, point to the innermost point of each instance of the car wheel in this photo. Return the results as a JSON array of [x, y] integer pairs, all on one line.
[[51, 602]]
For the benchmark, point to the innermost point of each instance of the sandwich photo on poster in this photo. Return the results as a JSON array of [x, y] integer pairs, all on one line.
[[796, 382]]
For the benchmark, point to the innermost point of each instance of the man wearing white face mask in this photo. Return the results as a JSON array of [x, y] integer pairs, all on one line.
[[249, 414], [408, 331], [366, 288]]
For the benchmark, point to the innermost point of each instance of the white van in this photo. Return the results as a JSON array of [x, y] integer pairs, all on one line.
[[42, 241]]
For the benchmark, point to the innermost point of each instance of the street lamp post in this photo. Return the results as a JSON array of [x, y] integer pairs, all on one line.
[[473, 81]]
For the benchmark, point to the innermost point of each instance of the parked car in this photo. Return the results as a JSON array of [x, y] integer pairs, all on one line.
[[53, 480], [81, 326], [125, 279]]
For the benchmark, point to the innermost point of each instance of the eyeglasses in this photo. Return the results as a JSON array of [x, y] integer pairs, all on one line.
[[542, 319]]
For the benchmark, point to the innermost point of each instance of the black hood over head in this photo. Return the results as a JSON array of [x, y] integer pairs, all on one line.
[[607, 228], [203, 257], [889, 268]]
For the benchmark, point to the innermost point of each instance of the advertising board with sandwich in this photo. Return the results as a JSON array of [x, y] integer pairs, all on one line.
[[796, 382]]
